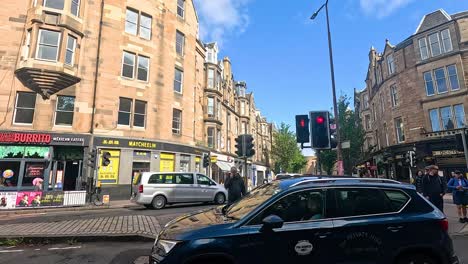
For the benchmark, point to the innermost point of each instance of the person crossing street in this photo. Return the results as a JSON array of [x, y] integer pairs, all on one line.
[[434, 187], [235, 186]]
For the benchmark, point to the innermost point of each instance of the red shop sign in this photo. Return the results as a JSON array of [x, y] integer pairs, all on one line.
[[25, 138]]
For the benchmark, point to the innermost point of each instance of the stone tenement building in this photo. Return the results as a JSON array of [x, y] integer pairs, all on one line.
[[128, 77], [416, 98]]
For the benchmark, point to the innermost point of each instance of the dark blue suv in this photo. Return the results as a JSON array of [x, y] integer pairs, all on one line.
[[308, 220]]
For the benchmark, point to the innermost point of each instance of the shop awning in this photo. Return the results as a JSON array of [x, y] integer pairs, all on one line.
[[224, 166]]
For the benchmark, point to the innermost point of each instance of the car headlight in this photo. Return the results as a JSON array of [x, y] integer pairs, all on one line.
[[165, 246]]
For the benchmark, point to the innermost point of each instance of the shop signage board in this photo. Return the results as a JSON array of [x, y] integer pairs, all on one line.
[[7, 200], [167, 162], [21, 138], [109, 174], [125, 143]]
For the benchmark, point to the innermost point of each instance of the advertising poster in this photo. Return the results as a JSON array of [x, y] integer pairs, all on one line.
[[52, 199], [7, 200], [28, 199], [109, 174], [34, 170]]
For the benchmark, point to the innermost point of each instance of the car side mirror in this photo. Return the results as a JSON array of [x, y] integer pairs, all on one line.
[[271, 222]]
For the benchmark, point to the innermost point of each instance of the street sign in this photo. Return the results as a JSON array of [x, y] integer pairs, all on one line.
[[346, 144]]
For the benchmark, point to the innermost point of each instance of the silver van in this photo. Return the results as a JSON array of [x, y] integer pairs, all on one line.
[[157, 189]]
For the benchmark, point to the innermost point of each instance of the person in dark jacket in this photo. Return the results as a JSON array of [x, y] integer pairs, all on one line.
[[235, 186], [418, 180], [434, 187], [459, 187]]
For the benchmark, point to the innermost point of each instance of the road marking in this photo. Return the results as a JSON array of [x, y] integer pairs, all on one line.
[[11, 251], [65, 248], [37, 249]]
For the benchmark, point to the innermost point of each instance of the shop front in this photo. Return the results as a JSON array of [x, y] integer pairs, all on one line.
[[131, 157], [41, 161], [221, 166]]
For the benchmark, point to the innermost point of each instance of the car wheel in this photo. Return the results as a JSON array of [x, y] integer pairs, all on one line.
[[148, 206], [159, 202], [220, 198], [417, 259]]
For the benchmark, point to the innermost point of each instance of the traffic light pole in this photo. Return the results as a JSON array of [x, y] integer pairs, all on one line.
[[339, 155], [465, 146], [246, 181]]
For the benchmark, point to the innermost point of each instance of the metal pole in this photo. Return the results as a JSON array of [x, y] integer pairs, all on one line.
[[319, 166], [465, 147], [246, 173], [335, 106]]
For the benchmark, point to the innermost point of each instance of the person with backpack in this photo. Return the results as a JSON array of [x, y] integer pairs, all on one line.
[[459, 187], [434, 187]]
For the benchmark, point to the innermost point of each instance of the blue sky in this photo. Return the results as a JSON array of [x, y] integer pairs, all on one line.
[[283, 56]]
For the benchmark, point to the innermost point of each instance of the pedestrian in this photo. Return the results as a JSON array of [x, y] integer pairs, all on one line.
[[235, 186], [434, 187], [459, 187], [418, 180]]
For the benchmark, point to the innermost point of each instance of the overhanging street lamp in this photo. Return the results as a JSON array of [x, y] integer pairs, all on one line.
[[335, 107]]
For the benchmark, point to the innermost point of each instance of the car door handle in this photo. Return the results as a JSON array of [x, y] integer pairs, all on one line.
[[323, 235], [394, 229]]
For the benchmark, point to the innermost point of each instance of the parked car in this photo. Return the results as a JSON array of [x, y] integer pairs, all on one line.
[[302, 220], [157, 189]]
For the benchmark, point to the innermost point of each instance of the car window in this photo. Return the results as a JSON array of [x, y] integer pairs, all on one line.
[[252, 200], [156, 179], [397, 199], [184, 178], [301, 206], [361, 201], [203, 180]]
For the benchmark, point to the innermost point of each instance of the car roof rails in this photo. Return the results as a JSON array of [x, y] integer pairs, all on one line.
[[361, 180]]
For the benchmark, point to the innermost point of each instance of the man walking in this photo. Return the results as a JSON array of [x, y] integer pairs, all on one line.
[[235, 186], [434, 187]]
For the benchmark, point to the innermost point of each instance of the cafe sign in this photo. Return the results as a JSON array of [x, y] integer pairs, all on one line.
[[125, 143]]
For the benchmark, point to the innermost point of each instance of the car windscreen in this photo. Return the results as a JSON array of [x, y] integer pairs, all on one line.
[[252, 200]]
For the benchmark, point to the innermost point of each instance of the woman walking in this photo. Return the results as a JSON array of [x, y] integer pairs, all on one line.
[[459, 187]]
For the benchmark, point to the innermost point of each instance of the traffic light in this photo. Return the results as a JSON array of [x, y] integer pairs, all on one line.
[[320, 129], [206, 161], [240, 146], [249, 146], [302, 129], [106, 159], [92, 158], [333, 137]]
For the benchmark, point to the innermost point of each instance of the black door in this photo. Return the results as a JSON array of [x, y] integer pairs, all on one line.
[[72, 169], [306, 233], [367, 225]]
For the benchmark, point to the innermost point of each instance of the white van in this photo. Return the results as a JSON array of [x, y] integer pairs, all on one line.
[[157, 189]]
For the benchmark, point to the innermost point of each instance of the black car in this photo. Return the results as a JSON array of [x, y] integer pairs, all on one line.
[[313, 221]]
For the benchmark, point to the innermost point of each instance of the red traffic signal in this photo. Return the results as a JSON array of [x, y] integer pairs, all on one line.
[[319, 120], [302, 129]]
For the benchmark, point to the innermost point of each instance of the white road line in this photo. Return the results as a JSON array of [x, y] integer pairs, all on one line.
[[64, 248], [37, 249], [11, 251]]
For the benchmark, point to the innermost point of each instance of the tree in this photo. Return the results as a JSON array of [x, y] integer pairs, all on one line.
[[285, 152], [350, 130], [327, 160]]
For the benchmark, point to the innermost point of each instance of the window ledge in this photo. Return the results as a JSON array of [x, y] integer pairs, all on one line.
[[22, 124], [446, 95]]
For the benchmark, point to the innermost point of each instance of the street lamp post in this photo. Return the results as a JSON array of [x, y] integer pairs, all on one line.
[[335, 106]]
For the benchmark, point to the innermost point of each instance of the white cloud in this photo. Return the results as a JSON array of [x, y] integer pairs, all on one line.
[[382, 8], [220, 19]]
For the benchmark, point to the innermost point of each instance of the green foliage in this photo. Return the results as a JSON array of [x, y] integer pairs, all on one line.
[[350, 130], [327, 160], [285, 152]]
